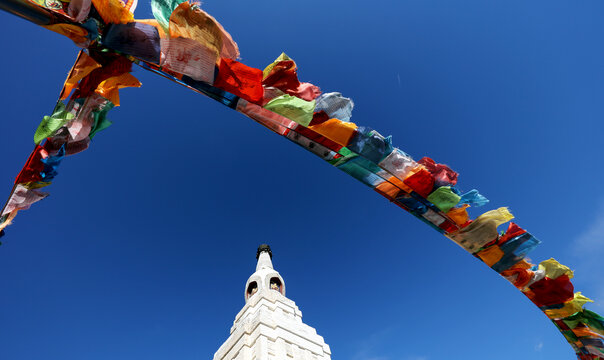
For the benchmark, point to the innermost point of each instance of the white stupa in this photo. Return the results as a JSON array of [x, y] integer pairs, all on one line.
[[270, 327]]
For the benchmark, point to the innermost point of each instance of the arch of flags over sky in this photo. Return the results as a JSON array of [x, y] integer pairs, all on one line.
[[186, 45]]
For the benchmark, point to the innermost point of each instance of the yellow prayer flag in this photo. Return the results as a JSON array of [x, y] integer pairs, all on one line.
[[553, 269], [569, 308], [482, 230]]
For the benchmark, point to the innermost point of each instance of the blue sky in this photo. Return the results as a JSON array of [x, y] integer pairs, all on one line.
[[144, 247]]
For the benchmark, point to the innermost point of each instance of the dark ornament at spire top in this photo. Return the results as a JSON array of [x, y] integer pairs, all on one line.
[[264, 247]]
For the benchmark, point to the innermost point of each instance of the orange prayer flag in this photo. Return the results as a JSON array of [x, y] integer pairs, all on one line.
[[113, 11], [519, 274], [77, 34], [459, 215], [109, 88], [584, 331], [390, 188], [336, 130], [491, 255], [83, 66]]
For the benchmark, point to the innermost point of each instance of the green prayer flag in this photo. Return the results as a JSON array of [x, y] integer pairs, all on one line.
[[100, 119], [293, 108], [444, 198], [570, 336], [586, 317], [346, 153], [50, 124]]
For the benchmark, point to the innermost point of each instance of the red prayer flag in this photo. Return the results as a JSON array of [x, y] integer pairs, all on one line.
[[283, 76], [512, 231], [241, 80], [319, 118], [306, 91], [114, 67], [318, 138], [443, 175], [33, 167], [449, 226], [547, 292], [422, 182]]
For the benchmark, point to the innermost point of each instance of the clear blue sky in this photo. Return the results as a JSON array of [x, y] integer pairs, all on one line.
[[143, 249]]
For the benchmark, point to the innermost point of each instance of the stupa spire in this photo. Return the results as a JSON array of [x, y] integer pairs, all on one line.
[[270, 327], [264, 255]]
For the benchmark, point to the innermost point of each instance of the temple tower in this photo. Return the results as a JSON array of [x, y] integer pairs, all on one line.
[[270, 327]]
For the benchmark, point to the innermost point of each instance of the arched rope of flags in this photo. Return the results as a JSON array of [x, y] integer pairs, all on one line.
[[186, 45]]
